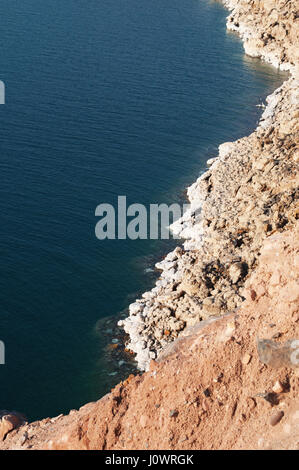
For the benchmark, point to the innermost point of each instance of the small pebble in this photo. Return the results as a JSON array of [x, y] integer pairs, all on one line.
[[246, 359], [275, 418], [205, 405], [277, 387], [24, 438], [253, 294], [217, 379]]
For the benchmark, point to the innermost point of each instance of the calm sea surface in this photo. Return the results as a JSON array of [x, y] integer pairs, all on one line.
[[103, 98]]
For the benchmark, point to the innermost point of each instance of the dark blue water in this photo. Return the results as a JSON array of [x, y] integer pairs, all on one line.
[[104, 98]]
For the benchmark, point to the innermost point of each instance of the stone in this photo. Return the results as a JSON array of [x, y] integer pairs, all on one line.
[[276, 417], [225, 148], [277, 387], [246, 359], [235, 272], [253, 294], [24, 438], [9, 422], [278, 355], [207, 392], [143, 421]]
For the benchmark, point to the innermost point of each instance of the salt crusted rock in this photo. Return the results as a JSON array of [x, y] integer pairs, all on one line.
[[249, 192]]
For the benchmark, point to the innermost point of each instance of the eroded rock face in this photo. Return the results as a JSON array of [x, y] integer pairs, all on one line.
[[9, 421], [249, 192], [269, 29]]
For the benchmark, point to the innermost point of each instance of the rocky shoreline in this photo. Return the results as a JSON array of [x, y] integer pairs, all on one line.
[[249, 192]]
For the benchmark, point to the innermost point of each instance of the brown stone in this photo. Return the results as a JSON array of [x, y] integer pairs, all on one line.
[[276, 417]]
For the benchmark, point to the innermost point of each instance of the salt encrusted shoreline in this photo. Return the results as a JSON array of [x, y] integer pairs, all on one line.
[[248, 193]]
